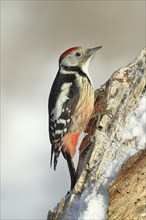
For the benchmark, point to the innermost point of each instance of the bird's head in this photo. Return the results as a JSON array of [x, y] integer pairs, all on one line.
[[77, 57]]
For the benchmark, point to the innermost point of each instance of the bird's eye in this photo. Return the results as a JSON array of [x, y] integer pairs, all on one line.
[[78, 54]]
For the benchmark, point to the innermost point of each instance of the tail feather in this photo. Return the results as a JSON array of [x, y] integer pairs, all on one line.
[[71, 169], [55, 151], [56, 155], [51, 156]]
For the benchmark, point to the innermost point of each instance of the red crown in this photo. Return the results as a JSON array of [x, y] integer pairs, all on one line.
[[64, 54]]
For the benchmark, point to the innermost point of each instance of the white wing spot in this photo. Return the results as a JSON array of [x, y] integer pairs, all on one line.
[[52, 128], [58, 131], [61, 121], [56, 140], [65, 129], [52, 119], [63, 97]]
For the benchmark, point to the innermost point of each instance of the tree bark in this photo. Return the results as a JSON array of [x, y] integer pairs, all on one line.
[[102, 145], [128, 191]]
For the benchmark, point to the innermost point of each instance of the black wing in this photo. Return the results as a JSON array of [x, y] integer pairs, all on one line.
[[59, 123]]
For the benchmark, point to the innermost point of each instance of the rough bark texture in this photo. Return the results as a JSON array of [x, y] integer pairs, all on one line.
[[128, 190], [120, 95]]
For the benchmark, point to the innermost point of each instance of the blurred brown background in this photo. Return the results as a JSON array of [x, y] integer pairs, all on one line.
[[33, 35]]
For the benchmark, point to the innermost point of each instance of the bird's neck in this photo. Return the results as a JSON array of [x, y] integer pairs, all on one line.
[[76, 70]]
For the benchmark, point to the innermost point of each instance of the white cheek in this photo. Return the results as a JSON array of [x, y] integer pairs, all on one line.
[[70, 61], [85, 66]]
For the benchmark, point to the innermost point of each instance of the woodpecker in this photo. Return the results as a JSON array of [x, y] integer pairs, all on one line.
[[70, 105]]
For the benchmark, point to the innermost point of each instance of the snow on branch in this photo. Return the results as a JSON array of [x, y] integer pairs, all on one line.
[[109, 142]]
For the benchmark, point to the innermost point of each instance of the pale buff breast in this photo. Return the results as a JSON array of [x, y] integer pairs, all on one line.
[[84, 107]]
